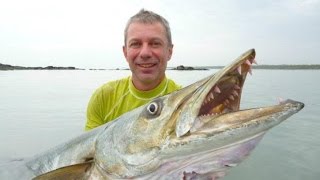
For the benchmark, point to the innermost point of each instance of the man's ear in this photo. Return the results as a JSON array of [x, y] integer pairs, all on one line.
[[124, 50], [170, 52]]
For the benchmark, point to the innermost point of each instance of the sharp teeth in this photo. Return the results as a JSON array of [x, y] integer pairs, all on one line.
[[248, 62], [237, 87], [250, 71], [216, 89], [254, 61], [227, 101], [231, 97], [211, 96], [239, 69], [235, 93]]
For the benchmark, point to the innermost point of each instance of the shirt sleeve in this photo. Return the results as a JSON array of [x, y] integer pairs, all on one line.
[[172, 86], [97, 107]]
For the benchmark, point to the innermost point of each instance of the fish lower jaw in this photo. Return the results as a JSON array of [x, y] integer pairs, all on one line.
[[212, 162]]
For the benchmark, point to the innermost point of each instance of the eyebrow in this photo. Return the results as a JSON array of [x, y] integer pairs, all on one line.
[[151, 39]]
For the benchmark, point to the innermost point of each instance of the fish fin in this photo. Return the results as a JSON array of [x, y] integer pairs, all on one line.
[[77, 171]]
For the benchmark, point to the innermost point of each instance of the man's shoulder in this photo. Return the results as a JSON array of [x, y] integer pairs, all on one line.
[[172, 85], [113, 85]]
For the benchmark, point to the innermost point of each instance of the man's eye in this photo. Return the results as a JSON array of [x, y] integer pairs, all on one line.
[[156, 44], [134, 44]]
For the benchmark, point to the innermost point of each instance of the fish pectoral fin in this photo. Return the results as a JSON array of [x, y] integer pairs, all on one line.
[[77, 171]]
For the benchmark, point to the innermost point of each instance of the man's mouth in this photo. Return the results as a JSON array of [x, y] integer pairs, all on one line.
[[147, 65]]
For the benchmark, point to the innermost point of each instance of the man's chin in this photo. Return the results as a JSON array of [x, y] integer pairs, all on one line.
[[148, 78]]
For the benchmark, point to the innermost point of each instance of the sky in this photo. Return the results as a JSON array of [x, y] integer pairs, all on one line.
[[89, 34]]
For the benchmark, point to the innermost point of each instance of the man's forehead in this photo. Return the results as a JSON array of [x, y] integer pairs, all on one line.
[[138, 30], [134, 26]]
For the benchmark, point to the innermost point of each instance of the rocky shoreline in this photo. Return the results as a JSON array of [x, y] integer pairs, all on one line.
[[10, 67], [189, 68]]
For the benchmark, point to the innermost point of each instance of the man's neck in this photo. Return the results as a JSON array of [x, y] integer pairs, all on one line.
[[146, 86]]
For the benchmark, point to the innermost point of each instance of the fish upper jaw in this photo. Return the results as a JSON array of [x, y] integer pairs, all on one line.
[[220, 93]]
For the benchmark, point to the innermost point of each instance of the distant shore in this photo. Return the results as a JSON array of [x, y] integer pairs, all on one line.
[[5, 67], [10, 67]]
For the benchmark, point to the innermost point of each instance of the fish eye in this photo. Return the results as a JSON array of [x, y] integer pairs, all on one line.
[[153, 108]]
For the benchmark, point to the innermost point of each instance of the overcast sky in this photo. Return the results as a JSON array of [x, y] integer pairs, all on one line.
[[89, 34]]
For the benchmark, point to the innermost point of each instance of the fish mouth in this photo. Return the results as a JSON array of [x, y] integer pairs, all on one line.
[[211, 107], [215, 95], [225, 94], [223, 97]]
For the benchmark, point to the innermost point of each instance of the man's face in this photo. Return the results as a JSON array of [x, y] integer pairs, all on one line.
[[147, 51]]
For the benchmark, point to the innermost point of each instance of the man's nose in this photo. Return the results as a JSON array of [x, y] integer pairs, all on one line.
[[146, 51]]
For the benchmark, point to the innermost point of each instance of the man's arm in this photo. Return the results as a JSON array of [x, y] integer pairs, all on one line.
[[95, 110]]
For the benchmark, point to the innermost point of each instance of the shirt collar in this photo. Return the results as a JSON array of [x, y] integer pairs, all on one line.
[[148, 95]]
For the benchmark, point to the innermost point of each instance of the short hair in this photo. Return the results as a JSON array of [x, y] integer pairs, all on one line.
[[148, 17]]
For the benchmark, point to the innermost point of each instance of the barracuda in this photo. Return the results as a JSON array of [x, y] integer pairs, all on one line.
[[198, 132]]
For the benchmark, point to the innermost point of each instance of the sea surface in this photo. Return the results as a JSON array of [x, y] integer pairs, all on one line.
[[40, 109]]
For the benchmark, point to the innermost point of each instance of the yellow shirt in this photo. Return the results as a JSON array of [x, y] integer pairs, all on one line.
[[120, 96]]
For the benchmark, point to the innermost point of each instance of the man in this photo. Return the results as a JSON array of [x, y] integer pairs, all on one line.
[[147, 49]]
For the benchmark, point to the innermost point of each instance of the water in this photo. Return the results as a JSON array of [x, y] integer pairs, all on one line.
[[40, 109]]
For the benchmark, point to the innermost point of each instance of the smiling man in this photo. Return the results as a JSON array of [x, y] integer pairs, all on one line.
[[147, 48]]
